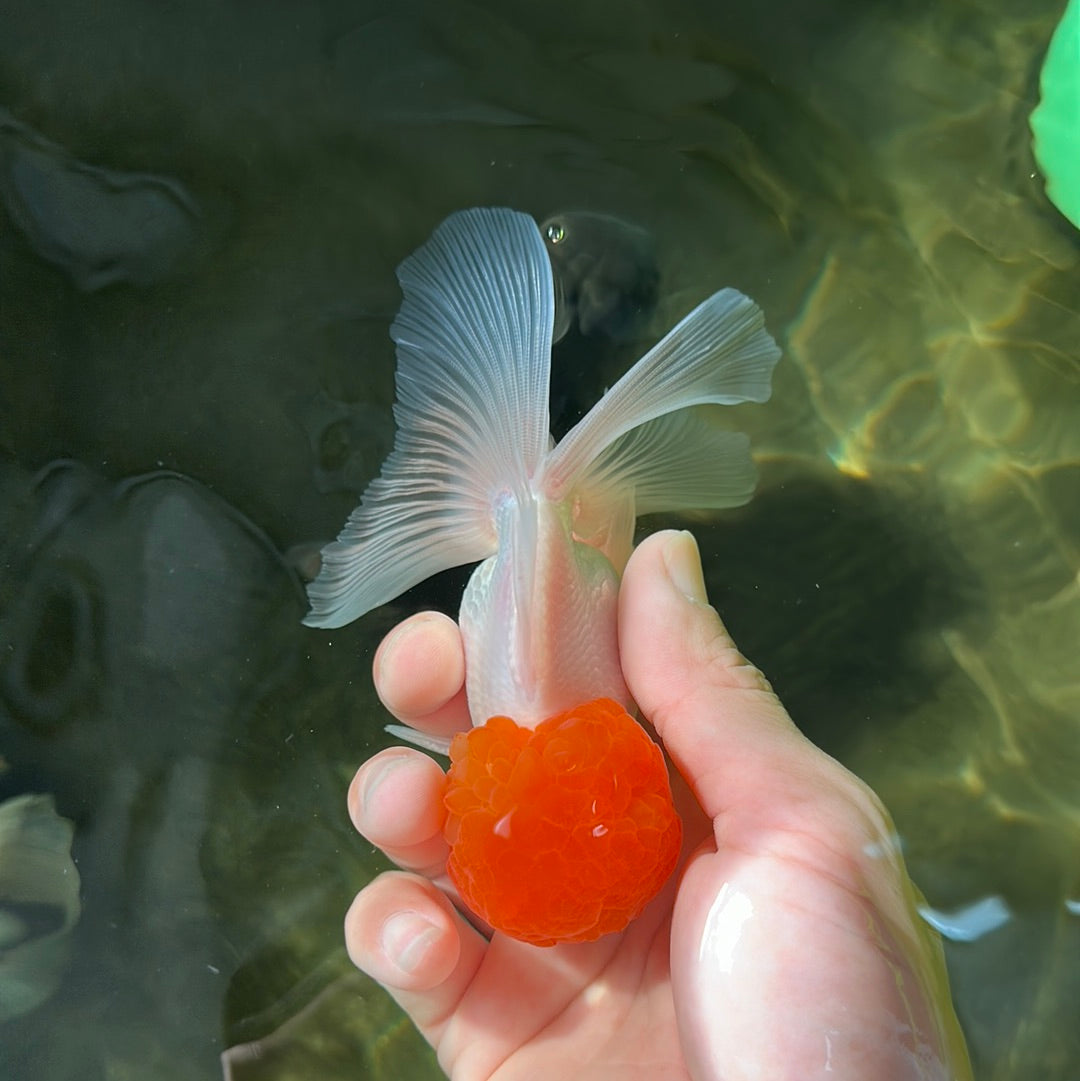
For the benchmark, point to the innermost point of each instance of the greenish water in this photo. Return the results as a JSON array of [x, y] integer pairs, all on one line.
[[907, 575]]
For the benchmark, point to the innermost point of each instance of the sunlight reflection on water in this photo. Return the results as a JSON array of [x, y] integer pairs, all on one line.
[[907, 575]]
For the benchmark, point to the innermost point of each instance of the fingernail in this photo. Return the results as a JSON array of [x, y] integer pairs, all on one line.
[[373, 782], [406, 939], [387, 647], [683, 562]]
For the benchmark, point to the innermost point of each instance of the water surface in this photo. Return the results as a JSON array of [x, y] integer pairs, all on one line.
[[201, 209]]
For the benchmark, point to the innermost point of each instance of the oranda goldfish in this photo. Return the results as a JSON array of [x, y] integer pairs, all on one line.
[[560, 819]]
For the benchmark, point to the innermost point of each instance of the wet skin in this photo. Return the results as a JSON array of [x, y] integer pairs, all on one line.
[[786, 946]]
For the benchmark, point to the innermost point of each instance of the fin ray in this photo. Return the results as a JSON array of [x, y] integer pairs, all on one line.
[[720, 353], [676, 462], [474, 352]]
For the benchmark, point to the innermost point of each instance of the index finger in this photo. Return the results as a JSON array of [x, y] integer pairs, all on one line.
[[419, 671]]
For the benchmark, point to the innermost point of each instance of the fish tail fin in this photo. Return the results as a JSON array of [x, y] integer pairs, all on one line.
[[640, 443], [474, 353]]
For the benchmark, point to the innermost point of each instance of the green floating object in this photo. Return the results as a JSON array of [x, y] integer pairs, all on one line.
[[1056, 122]]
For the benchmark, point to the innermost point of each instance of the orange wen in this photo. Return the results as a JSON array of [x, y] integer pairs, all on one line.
[[563, 832]]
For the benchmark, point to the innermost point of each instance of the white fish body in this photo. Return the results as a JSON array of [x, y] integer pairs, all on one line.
[[474, 475]]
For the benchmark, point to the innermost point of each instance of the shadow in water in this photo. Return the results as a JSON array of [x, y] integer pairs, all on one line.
[[828, 584]]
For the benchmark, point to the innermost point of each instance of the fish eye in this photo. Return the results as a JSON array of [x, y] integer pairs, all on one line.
[[555, 233]]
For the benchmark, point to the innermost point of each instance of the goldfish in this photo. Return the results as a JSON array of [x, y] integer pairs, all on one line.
[[558, 807]]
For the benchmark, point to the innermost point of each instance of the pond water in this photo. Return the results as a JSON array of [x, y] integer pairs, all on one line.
[[201, 210]]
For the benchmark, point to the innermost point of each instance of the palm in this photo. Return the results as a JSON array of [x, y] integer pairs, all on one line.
[[598, 1010]]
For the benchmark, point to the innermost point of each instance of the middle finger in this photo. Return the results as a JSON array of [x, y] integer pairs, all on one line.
[[396, 802]]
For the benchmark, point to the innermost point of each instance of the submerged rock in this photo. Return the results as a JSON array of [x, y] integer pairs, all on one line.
[[39, 902], [140, 624], [151, 598], [349, 441], [100, 226]]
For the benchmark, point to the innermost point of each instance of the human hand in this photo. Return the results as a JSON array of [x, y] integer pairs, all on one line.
[[786, 945]]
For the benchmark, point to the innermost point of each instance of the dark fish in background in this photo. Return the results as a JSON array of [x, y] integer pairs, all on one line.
[[606, 274]]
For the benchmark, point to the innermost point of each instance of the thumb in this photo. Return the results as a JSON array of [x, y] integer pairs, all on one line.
[[720, 721], [801, 844]]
